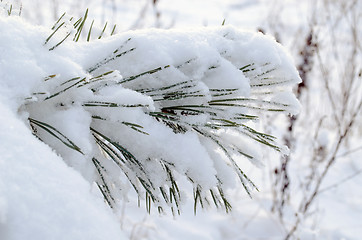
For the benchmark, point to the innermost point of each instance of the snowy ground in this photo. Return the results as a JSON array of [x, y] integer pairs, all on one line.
[[336, 214]]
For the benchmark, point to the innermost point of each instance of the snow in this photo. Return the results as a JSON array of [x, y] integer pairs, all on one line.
[[53, 192], [42, 197], [38, 67]]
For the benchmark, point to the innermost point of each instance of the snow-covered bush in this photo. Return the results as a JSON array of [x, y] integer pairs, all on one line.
[[150, 107]]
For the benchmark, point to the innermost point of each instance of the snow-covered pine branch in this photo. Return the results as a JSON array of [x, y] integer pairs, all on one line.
[[149, 107]]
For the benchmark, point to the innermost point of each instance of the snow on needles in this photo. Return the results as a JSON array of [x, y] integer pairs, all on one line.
[[145, 107]]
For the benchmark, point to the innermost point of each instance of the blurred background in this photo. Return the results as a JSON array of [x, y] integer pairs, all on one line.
[[316, 191]]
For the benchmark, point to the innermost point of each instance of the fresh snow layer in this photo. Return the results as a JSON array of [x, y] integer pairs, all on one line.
[[338, 209], [41, 196]]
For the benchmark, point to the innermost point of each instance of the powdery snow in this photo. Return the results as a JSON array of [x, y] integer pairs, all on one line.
[[47, 199], [42, 197]]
